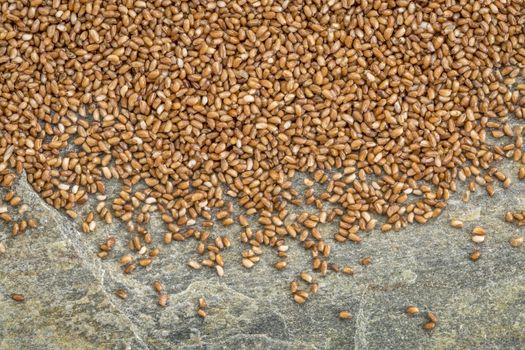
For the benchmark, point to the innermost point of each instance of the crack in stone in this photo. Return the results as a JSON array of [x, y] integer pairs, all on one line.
[[94, 267], [360, 342]]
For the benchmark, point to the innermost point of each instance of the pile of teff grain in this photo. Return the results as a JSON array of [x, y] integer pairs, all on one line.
[[386, 103]]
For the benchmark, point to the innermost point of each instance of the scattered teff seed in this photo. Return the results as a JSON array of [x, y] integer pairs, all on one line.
[[125, 259], [366, 261], [515, 242], [428, 326], [432, 316], [201, 313], [412, 310], [18, 297], [479, 231], [163, 299], [280, 265], [521, 173], [475, 255], [299, 299], [344, 315], [478, 239], [194, 265], [306, 277], [247, 263], [157, 286], [202, 303], [456, 223], [122, 294], [348, 270]]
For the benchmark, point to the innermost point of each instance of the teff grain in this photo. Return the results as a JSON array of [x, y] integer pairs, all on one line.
[[428, 326], [515, 242], [344, 315], [18, 297], [456, 223], [191, 107], [412, 310], [475, 255], [122, 294]]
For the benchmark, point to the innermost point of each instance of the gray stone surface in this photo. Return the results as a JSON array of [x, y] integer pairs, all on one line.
[[70, 301]]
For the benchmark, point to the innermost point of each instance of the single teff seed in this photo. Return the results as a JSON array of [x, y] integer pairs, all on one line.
[[412, 310], [344, 315], [163, 299], [366, 261], [18, 297], [456, 223], [478, 239], [515, 242], [475, 255], [157, 286], [479, 231], [432, 316], [122, 294], [428, 326], [521, 173]]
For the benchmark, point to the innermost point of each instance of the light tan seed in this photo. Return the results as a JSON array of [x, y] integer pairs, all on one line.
[[122, 294], [480, 231], [515, 242], [456, 223], [163, 299], [344, 315], [247, 263]]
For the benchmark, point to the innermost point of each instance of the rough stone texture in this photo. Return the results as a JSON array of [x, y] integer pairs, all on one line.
[[70, 301]]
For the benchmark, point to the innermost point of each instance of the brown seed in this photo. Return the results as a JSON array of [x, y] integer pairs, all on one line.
[[201, 313], [366, 261], [412, 310], [202, 303], [299, 299], [428, 326], [385, 111], [125, 259], [432, 316], [194, 265], [479, 231], [122, 294], [145, 262], [348, 270], [280, 265], [344, 315], [515, 242], [306, 277], [475, 255], [521, 173], [163, 299], [247, 263], [157, 286], [18, 297]]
